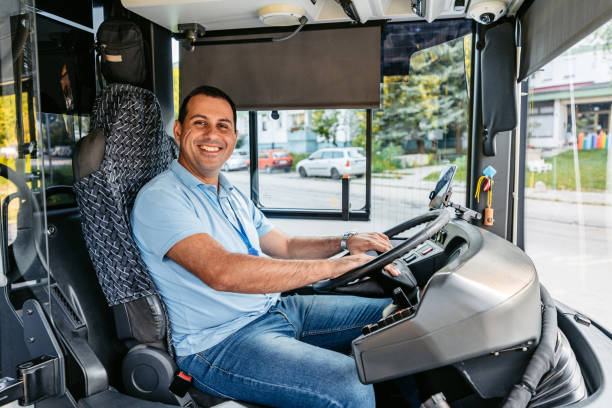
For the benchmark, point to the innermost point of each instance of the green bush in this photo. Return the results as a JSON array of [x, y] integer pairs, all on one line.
[[297, 157], [385, 159]]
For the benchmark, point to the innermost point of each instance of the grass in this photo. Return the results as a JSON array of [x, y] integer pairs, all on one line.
[[593, 168], [460, 175], [592, 163], [389, 175]]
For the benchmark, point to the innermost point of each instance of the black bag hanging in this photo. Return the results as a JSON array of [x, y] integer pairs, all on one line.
[[121, 50]]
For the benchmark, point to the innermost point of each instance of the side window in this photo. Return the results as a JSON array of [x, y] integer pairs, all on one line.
[[568, 175], [290, 181], [338, 155]]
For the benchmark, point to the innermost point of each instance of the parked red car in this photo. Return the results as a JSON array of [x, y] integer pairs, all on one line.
[[274, 159]]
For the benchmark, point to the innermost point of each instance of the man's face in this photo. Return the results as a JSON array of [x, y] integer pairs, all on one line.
[[207, 136]]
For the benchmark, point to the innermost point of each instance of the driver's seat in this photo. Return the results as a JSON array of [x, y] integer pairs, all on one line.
[[126, 148]]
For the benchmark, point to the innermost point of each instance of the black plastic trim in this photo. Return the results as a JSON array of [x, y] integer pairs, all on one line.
[[314, 214], [593, 349], [276, 30], [473, 146]]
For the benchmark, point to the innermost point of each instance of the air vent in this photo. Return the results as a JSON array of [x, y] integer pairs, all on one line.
[[69, 311]]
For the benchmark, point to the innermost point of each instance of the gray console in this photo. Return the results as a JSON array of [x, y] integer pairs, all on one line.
[[483, 299]]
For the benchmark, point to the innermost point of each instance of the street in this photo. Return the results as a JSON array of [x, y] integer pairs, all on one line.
[[573, 259]]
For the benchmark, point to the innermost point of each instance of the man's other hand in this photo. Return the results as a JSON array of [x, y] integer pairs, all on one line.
[[350, 262]]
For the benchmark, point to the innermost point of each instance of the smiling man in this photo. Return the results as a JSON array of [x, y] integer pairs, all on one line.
[[220, 267]]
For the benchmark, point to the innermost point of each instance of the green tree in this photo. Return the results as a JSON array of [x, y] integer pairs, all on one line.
[[432, 98], [325, 123]]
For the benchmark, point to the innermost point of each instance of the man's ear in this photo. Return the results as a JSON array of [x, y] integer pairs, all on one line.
[[178, 130]]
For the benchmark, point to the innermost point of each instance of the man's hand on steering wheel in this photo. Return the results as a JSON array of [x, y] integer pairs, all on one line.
[[370, 241], [434, 221], [358, 244]]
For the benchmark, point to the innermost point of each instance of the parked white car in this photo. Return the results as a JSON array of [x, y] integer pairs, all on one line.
[[334, 162], [237, 161]]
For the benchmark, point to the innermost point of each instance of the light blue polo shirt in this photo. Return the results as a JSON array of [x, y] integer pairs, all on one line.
[[173, 206]]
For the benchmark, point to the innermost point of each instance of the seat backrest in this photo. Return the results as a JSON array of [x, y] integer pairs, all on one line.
[[125, 149]]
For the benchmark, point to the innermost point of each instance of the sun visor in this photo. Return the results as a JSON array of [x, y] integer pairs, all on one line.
[[550, 27], [318, 68], [498, 71]]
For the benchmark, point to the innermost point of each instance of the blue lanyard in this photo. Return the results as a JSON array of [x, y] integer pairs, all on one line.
[[241, 232]]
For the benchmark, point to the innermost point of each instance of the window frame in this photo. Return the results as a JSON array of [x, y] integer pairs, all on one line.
[[362, 214]]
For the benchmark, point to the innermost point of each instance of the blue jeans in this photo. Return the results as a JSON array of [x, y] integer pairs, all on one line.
[[292, 356]]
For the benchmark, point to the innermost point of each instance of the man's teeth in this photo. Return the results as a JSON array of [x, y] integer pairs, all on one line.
[[210, 148]]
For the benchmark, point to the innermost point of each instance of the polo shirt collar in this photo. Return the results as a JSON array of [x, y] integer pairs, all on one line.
[[192, 181]]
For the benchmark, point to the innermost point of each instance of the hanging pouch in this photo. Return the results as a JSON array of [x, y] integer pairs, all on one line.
[[121, 50]]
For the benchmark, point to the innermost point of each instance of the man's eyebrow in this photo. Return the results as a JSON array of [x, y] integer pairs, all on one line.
[[197, 115]]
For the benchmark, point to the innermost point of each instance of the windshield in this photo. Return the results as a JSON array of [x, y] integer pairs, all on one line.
[[280, 154]]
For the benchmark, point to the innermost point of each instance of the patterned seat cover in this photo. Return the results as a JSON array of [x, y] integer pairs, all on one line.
[[137, 149]]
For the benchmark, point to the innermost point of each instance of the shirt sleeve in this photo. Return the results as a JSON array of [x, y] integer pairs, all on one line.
[[262, 224], [160, 219]]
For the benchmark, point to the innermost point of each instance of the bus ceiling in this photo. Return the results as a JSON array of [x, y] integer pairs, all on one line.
[[253, 14]]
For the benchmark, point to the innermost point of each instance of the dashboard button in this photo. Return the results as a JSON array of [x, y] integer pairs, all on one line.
[[426, 249]]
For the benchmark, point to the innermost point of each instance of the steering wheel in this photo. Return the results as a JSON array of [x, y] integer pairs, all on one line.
[[438, 218]]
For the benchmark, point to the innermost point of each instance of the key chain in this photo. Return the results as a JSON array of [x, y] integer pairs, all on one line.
[[486, 181]]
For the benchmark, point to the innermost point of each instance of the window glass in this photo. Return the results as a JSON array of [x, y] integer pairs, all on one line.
[[316, 155], [293, 178], [236, 169], [278, 155], [60, 133], [22, 185], [357, 153], [421, 127], [568, 175]]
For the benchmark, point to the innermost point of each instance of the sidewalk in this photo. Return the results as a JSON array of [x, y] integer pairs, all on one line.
[[413, 179], [574, 197]]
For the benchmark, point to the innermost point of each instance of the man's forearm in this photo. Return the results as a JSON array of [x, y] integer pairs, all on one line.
[[313, 247], [231, 272], [250, 274]]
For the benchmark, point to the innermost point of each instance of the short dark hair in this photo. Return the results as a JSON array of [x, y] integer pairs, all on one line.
[[206, 90]]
